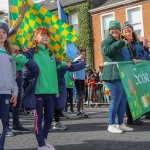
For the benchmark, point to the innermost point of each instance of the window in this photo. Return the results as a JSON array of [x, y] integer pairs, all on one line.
[[134, 16], [73, 21], [105, 19]]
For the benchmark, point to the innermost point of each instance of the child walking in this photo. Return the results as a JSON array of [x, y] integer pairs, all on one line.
[[8, 85]]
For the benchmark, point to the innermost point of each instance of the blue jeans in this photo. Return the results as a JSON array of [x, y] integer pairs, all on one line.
[[16, 110], [118, 102], [4, 111]]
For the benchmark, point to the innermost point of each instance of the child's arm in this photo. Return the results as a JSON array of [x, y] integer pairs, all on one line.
[[13, 99]]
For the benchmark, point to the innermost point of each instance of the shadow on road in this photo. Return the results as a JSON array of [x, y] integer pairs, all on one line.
[[102, 145]]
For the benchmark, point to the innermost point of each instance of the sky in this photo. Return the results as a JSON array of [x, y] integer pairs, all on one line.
[[4, 4]]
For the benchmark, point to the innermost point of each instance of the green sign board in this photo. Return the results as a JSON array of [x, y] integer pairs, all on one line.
[[136, 81]]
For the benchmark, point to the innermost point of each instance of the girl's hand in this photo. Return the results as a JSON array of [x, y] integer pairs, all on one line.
[[144, 41], [13, 100], [135, 61], [68, 65]]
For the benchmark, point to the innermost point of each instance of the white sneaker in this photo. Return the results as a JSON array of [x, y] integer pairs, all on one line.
[[59, 126], [123, 127], [114, 129], [43, 148], [49, 145]]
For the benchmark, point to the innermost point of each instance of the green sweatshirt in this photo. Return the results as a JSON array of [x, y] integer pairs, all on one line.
[[47, 82], [69, 82], [20, 61]]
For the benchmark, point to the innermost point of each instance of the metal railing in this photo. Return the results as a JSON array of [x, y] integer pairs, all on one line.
[[98, 96]]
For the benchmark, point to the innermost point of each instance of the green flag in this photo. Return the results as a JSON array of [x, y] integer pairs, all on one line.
[[136, 81], [35, 16]]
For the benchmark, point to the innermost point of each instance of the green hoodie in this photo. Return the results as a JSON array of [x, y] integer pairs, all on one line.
[[47, 82]]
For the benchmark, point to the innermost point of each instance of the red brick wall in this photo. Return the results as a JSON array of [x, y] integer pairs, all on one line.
[[146, 20], [96, 41], [121, 17]]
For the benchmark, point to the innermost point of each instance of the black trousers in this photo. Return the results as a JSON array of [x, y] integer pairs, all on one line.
[[79, 84], [128, 113]]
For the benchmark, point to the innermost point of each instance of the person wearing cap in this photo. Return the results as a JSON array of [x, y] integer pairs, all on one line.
[[111, 49], [133, 51]]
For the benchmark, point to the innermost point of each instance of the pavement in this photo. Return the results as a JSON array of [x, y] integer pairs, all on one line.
[[84, 134]]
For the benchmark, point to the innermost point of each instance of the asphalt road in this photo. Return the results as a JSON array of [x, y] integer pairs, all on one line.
[[84, 134]]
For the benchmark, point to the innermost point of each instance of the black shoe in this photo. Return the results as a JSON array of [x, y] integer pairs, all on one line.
[[147, 117], [72, 111], [20, 128], [136, 122], [63, 116], [84, 115], [79, 114]]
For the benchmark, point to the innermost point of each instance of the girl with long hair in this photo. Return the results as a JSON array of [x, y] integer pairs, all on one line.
[[8, 85]]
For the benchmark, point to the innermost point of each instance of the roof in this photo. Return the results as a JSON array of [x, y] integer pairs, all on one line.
[[102, 4], [99, 3], [53, 5]]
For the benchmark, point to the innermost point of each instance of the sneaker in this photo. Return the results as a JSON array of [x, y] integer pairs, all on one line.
[[49, 145], [20, 128], [61, 115], [84, 115], [123, 127], [44, 148], [114, 129], [9, 132], [59, 126], [79, 115]]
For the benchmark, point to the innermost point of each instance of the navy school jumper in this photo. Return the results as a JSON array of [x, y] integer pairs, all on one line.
[[33, 68]]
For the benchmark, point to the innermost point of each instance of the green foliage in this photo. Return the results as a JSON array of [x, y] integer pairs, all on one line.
[[84, 25]]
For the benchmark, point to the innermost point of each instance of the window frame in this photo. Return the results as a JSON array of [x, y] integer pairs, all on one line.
[[69, 19], [141, 11], [101, 18]]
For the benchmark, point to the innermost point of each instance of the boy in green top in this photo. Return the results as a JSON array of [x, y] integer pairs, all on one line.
[[69, 80]]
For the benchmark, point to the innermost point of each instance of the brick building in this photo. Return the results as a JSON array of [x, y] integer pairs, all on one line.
[[135, 11]]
